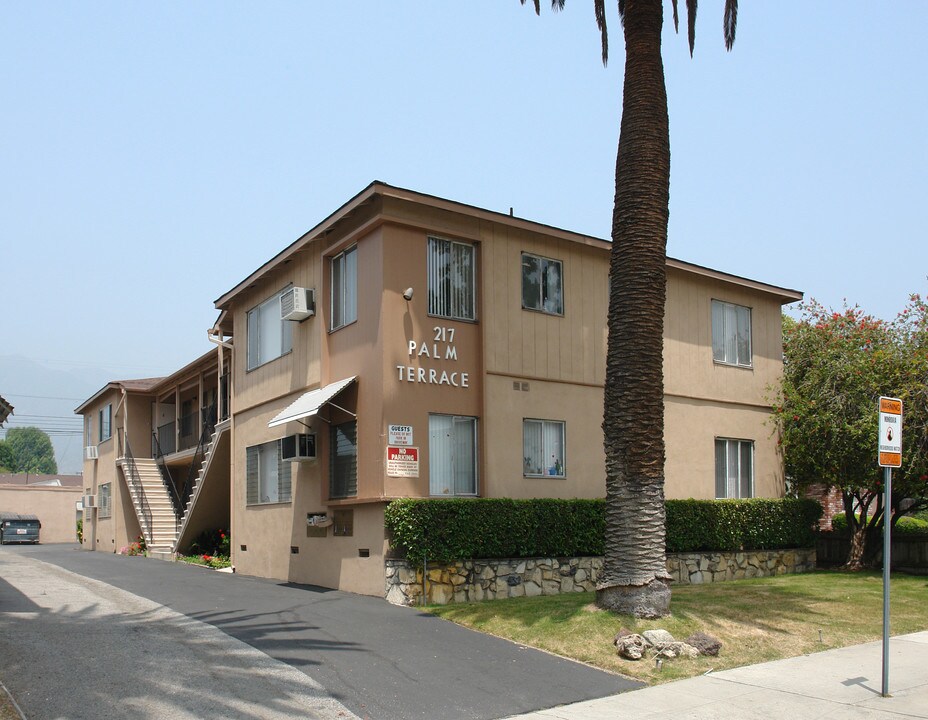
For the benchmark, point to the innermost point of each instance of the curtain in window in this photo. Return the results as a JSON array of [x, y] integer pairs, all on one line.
[[451, 279], [532, 447], [531, 282], [721, 469], [452, 455], [554, 448], [351, 286], [746, 488], [267, 472], [465, 457], [731, 333]]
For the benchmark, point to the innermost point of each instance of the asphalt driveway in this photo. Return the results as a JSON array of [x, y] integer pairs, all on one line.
[[375, 659]]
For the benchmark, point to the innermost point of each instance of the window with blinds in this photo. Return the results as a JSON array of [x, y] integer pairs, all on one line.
[[734, 468], [543, 448], [343, 460], [269, 337], [268, 476], [452, 455], [451, 279], [731, 334], [344, 288]]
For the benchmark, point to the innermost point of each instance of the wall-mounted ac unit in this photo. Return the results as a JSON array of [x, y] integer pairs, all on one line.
[[91, 453], [89, 501], [297, 304], [298, 447]]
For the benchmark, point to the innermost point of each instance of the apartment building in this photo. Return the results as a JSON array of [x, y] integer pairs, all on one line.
[[412, 346]]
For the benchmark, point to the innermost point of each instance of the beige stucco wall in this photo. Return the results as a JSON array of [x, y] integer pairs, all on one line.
[[54, 506], [690, 429]]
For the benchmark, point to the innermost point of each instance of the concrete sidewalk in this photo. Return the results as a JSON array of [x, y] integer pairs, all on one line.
[[843, 683]]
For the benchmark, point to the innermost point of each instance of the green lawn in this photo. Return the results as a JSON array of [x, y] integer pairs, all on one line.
[[756, 620]]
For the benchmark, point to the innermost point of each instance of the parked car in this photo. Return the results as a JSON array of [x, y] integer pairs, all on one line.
[[17, 528]]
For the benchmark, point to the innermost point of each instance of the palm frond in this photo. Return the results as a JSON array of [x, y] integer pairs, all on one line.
[[676, 18], [730, 22], [691, 23], [537, 6], [599, 7], [557, 5]]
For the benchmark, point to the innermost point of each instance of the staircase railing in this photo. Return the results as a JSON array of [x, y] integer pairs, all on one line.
[[209, 426], [135, 483], [169, 483]]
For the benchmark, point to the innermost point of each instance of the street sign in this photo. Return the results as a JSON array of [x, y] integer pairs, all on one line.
[[890, 441]]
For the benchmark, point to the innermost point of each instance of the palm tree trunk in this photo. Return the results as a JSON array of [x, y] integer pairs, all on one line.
[[634, 576]]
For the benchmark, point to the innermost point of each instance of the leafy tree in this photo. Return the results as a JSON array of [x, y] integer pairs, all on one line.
[[634, 575], [836, 366], [28, 449]]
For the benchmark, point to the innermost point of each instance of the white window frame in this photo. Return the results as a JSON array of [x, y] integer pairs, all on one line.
[[343, 288], [453, 303], [557, 468], [443, 476], [259, 459], [732, 334], [106, 422], [261, 319], [544, 302], [731, 455], [343, 487], [105, 500]]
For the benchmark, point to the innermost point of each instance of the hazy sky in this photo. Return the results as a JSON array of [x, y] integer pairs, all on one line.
[[153, 154]]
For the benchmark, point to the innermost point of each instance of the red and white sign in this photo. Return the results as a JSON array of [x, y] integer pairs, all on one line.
[[402, 461]]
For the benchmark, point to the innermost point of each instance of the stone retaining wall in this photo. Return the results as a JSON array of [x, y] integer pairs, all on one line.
[[473, 580]]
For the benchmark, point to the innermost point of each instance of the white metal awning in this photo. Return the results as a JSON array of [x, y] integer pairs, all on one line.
[[309, 403]]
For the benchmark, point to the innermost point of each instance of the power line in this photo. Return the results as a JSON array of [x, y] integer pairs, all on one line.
[[42, 397]]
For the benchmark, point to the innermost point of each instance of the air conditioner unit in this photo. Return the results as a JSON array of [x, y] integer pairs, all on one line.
[[298, 447], [297, 304], [319, 521], [91, 453], [89, 501]]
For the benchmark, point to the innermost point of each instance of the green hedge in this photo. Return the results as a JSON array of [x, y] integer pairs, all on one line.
[[455, 529], [905, 526]]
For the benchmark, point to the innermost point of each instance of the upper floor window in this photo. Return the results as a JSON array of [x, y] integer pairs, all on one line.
[[734, 468], [267, 474], [543, 448], [451, 279], [344, 288], [269, 337], [731, 333], [542, 284], [343, 460], [106, 422]]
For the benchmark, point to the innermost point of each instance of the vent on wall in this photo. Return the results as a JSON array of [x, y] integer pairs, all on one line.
[[297, 304]]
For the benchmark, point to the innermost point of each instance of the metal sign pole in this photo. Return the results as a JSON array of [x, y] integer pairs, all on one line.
[[887, 552]]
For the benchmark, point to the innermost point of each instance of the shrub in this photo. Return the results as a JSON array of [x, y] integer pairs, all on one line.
[[212, 542], [80, 531], [443, 530], [905, 526]]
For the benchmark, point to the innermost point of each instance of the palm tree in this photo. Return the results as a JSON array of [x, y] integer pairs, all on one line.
[[634, 577]]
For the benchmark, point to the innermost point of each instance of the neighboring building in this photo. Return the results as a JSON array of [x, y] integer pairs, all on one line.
[[433, 349], [54, 499]]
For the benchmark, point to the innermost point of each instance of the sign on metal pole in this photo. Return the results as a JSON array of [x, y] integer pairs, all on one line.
[[890, 456]]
